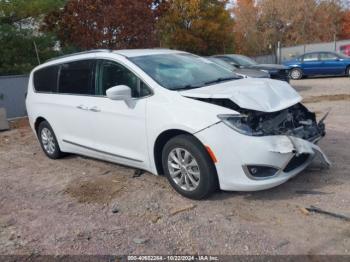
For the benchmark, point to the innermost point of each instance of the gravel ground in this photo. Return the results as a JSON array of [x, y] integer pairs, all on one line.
[[82, 206]]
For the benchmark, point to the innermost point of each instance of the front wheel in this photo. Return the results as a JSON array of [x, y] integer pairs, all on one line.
[[188, 167], [296, 74], [348, 71]]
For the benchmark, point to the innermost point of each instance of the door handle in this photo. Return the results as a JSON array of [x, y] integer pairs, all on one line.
[[95, 109], [82, 107]]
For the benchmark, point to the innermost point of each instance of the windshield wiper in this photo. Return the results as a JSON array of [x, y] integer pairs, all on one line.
[[221, 79], [186, 87]]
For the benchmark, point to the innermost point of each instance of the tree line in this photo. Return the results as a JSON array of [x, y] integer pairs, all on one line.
[[259, 25], [34, 31]]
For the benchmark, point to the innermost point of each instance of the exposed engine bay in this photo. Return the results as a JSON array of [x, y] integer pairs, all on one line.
[[295, 121]]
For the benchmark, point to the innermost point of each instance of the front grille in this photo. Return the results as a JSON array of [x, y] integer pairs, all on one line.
[[296, 162], [281, 75]]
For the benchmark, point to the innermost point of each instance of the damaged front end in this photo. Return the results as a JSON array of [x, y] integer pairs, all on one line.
[[279, 138], [295, 129], [296, 121]]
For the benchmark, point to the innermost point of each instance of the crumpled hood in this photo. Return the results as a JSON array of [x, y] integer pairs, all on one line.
[[265, 95]]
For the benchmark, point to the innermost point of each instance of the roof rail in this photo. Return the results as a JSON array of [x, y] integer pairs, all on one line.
[[80, 53]]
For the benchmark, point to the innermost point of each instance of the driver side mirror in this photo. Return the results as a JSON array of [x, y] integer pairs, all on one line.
[[121, 92]]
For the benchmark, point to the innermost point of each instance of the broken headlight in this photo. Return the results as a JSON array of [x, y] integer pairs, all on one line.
[[239, 123]]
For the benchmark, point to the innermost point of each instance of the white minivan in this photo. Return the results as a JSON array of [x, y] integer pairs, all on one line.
[[176, 114]]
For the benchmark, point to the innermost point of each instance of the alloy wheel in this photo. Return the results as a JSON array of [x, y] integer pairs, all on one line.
[[183, 169], [295, 74], [48, 141]]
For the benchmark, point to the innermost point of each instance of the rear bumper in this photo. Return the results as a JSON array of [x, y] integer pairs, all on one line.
[[234, 152]]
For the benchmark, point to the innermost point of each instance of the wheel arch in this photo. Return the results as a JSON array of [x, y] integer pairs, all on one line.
[[37, 122], [347, 69], [162, 139], [159, 144], [296, 67]]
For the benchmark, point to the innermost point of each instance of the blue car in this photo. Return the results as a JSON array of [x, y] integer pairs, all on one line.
[[319, 63]]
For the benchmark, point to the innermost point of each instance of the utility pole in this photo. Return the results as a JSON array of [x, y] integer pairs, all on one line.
[[279, 53], [37, 53]]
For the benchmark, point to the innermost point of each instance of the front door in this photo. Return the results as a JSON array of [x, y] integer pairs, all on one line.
[[120, 126], [311, 64]]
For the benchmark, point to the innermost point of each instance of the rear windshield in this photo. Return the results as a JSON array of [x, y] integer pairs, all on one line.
[[244, 60]]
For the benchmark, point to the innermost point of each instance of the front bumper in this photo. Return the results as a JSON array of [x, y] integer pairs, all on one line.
[[234, 151], [282, 75]]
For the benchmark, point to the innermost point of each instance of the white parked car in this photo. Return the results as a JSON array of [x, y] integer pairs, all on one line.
[[173, 113]]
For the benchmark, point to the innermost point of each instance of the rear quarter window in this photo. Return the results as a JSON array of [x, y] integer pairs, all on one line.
[[45, 79]]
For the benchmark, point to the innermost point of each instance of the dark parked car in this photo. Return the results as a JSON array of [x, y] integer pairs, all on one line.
[[319, 63], [279, 72], [244, 72]]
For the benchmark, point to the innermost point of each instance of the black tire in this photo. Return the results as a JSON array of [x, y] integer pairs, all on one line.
[[347, 71], [208, 181], [296, 73], [56, 153]]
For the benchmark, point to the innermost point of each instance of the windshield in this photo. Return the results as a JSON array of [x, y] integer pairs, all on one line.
[[244, 60], [181, 71], [222, 63]]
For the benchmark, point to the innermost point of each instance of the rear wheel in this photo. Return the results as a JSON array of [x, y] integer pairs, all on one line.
[[188, 167], [296, 74], [48, 141], [348, 71]]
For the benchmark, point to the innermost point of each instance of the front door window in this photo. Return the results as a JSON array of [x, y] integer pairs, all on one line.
[[113, 74]]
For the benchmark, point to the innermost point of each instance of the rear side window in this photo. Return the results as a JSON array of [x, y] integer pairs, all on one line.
[[311, 57], [327, 56], [45, 80], [77, 78]]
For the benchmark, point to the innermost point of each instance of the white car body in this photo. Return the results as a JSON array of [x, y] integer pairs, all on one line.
[[127, 132]]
